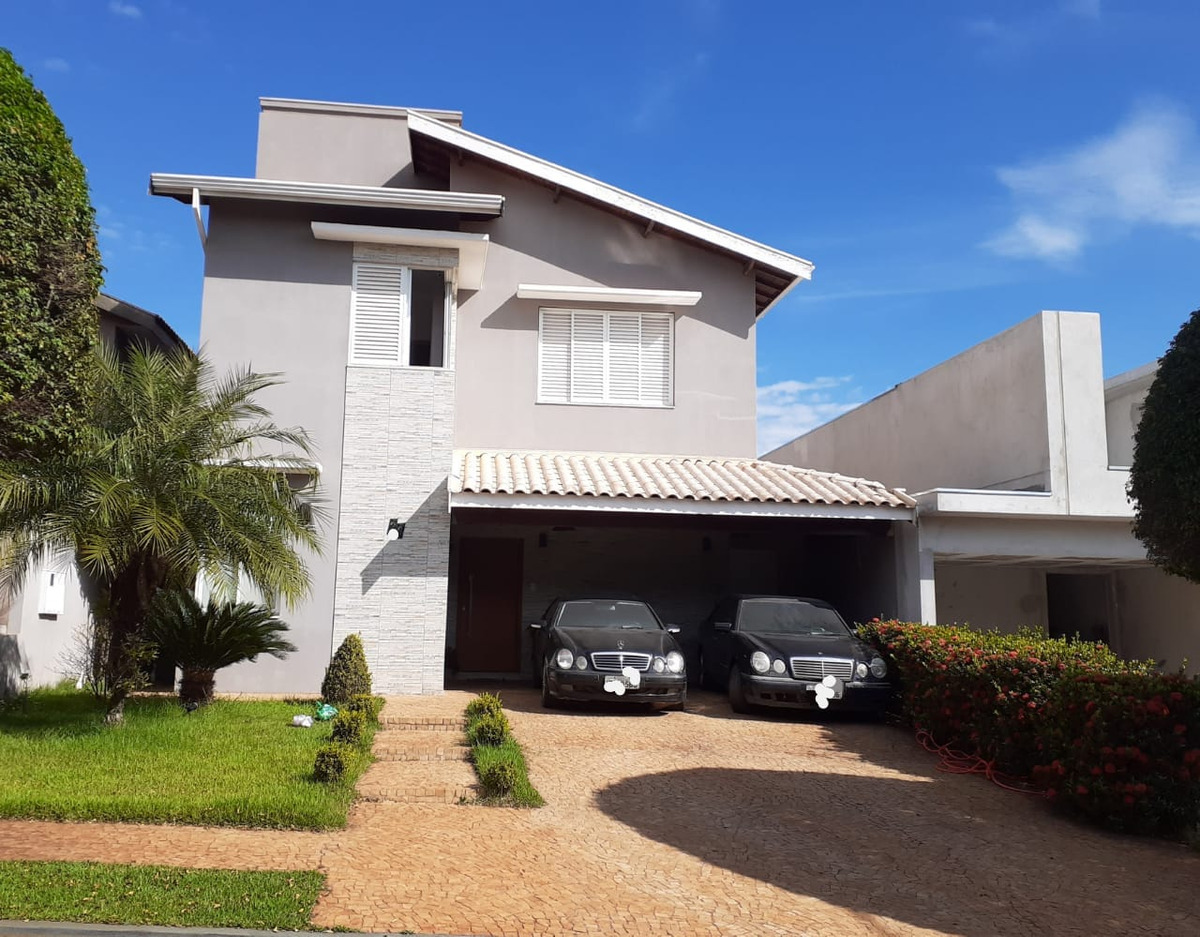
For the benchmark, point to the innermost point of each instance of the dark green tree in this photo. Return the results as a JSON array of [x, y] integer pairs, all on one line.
[[50, 273], [1164, 481]]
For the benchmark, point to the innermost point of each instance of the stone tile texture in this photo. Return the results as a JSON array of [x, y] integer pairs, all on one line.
[[692, 823]]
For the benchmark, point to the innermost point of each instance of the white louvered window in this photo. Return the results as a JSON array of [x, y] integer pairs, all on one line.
[[398, 316], [610, 358]]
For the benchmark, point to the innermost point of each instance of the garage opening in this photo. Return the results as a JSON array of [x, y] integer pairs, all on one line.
[[680, 564]]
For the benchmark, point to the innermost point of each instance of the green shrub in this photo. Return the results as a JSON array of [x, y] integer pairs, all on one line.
[[1108, 738], [491, 729], [485, 704], [499, 778], [333, 761], [50, 274], [347, 675], [350, 727], [367, 704]]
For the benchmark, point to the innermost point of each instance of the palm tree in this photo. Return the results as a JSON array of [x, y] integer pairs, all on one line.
[[178, 474], [200, 640]]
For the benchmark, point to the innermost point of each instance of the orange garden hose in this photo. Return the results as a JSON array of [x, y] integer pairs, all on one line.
[[953, 761]]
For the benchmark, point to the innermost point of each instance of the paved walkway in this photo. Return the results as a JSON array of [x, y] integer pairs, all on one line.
[[690, 823]]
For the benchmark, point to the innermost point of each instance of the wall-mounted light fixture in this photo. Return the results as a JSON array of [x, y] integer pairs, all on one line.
[[395, 530]]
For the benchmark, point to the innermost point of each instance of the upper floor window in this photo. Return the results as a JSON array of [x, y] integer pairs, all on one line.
[[611, 358], [398, 315]]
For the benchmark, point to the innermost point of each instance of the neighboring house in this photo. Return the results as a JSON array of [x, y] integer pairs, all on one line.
[[40, 625], [545, 383], [1020, 452]]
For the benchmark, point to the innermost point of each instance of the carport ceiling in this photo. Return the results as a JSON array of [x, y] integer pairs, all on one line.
[[1041, 562]]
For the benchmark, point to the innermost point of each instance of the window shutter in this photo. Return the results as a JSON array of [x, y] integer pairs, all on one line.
[[624, 357], [379, 314], [554, 358], [587, 356], [656, 358]]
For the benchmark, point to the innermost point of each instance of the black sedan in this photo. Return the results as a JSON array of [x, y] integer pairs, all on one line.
[[791, 652], [607, 649]]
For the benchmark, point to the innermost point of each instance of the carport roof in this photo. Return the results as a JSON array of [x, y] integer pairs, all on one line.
[[661, 482]]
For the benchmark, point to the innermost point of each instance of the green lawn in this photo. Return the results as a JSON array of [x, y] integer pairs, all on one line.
[[229, 763], [96, 893]]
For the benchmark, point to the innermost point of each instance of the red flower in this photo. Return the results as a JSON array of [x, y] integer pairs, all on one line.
[[1128, 798], [1110, 768], [1081, 790], [1180, 729]]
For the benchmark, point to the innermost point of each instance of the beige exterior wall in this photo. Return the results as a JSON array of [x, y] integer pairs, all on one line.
[[1124, 396], [991, 597], [975, 421], [1160, 617], [539, 240]]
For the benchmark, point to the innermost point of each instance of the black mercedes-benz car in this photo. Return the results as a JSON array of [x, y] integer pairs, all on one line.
[[607, 649], [771, 650]]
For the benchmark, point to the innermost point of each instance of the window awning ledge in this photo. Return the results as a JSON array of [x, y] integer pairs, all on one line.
[[472, 248], [608, 294]]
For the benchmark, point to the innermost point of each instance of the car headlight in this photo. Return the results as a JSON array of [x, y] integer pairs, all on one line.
[[861, 670], [759, 662], [659, 665], [779, 666], [675, 662], [564, 658], [581, 662], [878, 668]]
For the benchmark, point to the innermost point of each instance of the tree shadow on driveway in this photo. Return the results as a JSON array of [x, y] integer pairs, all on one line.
[[975, 861]]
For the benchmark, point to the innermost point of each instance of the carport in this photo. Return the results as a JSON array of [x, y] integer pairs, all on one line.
[[527, 527]]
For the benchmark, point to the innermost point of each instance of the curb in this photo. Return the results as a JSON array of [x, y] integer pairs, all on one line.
[[63, 929]]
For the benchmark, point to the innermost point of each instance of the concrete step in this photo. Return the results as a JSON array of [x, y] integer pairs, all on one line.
[[429, 745], [418, 782]]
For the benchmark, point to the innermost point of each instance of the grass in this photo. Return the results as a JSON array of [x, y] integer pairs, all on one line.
[[231, 763], [97, 893], [487, 757]]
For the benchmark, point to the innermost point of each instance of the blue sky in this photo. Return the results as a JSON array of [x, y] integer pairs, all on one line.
[[950, 167]]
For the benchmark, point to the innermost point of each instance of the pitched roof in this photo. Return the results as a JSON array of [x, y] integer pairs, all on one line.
[[669, 477], [775, 271]]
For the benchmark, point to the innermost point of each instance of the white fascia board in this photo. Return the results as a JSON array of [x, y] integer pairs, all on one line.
[[1121, 381], [676, 506], [472, 248], [325, 193], [606, 294], [572, 181], [360, 110]]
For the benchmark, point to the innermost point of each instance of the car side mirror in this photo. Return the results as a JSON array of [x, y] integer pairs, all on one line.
[[722, 626], [535, 625], [673, 629]]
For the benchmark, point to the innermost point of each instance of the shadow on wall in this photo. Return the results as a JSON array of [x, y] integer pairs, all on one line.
[[955, 855], [10, 665], [409, 556]]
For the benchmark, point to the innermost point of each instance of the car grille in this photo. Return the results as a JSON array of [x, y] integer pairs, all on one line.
[[616, 661], [816, 668]]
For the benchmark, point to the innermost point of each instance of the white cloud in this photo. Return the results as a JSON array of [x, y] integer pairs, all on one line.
[[1018, 34], [1146, 172], [56, 65], [787, 409], [660, 94], [119, 8]]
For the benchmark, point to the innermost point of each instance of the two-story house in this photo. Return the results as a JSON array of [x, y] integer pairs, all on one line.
[[1018, 451], [522, 382]]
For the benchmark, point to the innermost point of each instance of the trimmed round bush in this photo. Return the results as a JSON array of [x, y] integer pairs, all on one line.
[[333, 761], [498, 779], [347, 675], [488, 730], [485, 704], [350, 727]]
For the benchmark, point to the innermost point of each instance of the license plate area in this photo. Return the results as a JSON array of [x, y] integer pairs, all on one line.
[[838, 689]]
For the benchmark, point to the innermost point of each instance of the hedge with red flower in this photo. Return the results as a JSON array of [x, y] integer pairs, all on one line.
[[1109, 738]]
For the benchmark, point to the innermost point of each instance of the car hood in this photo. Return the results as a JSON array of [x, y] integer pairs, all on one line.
[[804, 645], [588, 640]]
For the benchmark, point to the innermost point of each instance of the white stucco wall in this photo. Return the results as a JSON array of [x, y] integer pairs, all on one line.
[[991, 597], [40, 645], [1159, 617]]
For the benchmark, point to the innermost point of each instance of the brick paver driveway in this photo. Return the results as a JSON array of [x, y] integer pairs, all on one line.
[[705, 823]]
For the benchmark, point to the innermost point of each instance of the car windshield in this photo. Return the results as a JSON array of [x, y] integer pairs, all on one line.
[[607, 613], [789, 616]]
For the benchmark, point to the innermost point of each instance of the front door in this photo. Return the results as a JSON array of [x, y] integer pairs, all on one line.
[[488, 622]]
